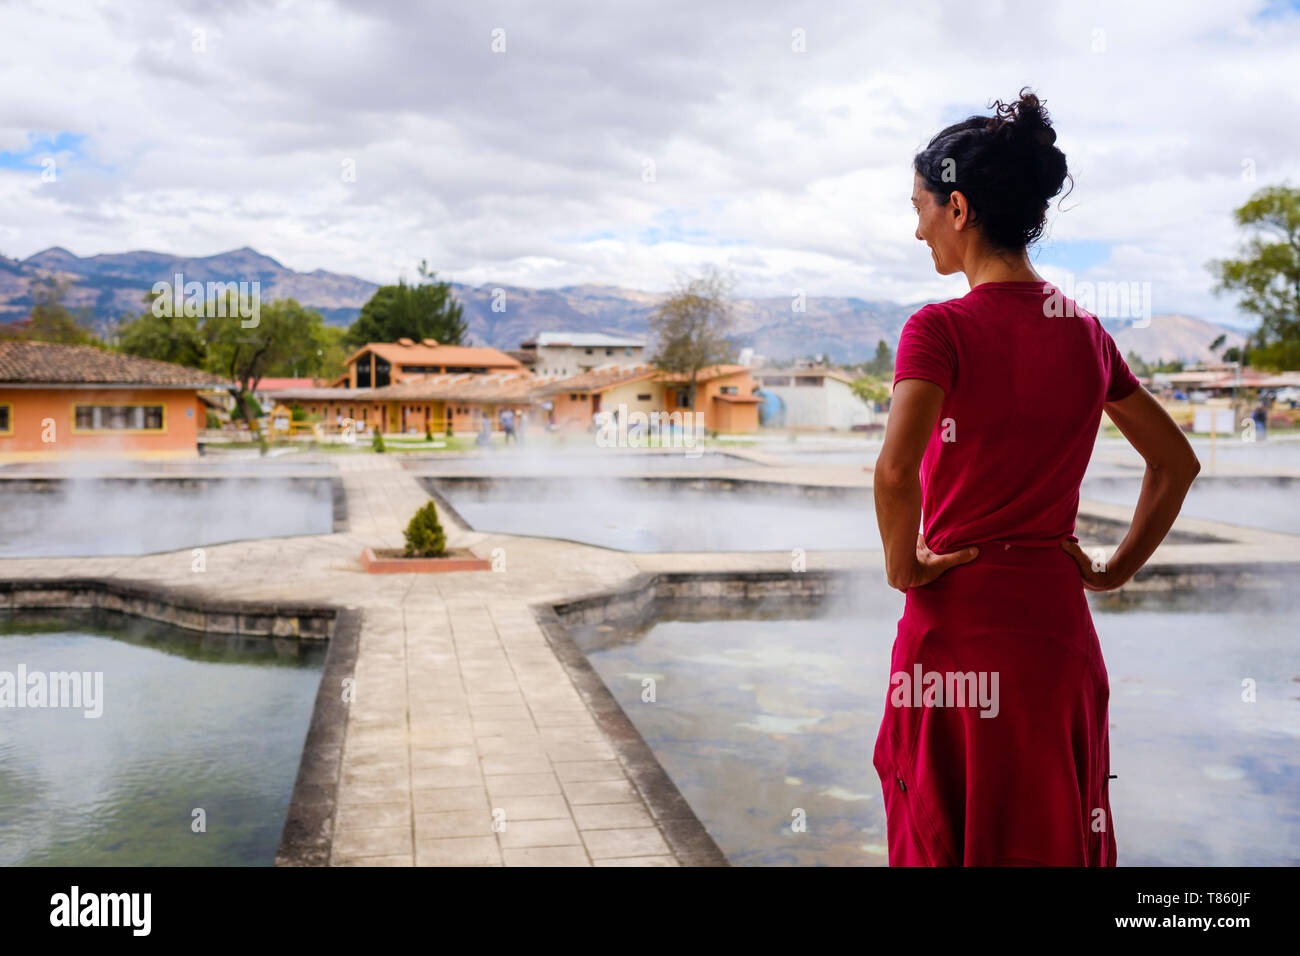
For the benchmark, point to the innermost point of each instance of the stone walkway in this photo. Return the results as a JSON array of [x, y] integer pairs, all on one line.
[[463, 712]]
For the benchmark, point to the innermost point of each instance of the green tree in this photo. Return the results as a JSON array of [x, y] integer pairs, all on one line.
[[425, 310], [285, 333], [331, 352], [1267, 276], [692, 327], [883, 362], [1137, 365], [870, 389], [168, 338], [51, 320]]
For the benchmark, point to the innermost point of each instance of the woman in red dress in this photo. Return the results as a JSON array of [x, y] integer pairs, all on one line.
[[994, 746]]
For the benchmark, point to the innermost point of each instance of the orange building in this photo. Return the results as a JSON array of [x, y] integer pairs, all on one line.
[[431, 404], [724, 394], [392, 363], [78, 401]]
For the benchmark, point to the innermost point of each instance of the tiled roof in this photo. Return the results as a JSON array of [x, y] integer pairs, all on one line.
[[50, 363], [598, 380], [323, 394], [280, 384], [420, 354], [705, 374], [499, 387]]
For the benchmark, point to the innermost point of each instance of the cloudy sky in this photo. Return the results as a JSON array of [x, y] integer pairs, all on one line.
[[547, 144]]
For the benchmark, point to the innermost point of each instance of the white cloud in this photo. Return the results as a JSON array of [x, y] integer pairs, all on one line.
[[495, 166]]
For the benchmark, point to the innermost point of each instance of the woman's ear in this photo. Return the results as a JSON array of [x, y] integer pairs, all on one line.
[[959, 210]]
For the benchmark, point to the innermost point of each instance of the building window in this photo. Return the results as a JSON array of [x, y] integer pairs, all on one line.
[[118, 418], [589, 352], [728, 390], [6, 420], [643, 398], [627, 351], [609, 351], [776, 380], [812, 380], [682, 397]]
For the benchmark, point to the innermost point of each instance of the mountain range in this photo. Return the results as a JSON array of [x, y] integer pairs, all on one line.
[[845, 330]]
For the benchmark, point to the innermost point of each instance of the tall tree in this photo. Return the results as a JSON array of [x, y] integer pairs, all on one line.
[[1267, 276], [883, 362], [50, 319], [693, 326], [174, 338], [286, 333], [425, 310]]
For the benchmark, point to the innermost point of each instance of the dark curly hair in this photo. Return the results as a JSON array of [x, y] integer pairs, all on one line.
[[1005, 165]]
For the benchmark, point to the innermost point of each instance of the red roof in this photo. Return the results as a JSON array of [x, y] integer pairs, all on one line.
[[279, 384]]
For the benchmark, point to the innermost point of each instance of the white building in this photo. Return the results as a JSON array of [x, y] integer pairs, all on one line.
[[576, 353], [814, 398]]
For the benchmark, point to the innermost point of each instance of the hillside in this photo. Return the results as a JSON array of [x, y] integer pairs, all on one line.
[[844, 329], [1174, 338]]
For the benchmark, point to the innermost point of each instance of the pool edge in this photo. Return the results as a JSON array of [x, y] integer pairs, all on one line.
[[687, 837]]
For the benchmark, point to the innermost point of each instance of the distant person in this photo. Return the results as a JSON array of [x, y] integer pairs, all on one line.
[[508, 424], [1260, 417], [484, 432], [521, 427], [997, 399]]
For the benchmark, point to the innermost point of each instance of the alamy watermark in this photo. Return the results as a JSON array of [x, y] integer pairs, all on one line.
[[216, 300], [638, 429], [74, 690], [1106, 300], [923, 688]]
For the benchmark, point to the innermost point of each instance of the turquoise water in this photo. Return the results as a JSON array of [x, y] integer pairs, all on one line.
[[759, 718], [188, 722]]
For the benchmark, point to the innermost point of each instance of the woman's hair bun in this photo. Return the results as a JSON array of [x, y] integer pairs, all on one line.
[[1006, 165], [1023, 119]]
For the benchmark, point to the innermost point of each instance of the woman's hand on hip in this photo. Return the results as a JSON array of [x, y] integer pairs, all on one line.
[[929, 565], [1092, 568]]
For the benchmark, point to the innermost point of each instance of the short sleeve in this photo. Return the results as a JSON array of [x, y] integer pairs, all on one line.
[[1120, 382], [925, 350]]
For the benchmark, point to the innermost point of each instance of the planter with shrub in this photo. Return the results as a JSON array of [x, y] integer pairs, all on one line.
[[426, 550]]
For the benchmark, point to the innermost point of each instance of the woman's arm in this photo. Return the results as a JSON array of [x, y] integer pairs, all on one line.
[[1171, 468], [896, 484]]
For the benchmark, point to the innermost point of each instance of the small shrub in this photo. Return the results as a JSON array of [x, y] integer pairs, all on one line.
[[424, 535], [263, 443], [212, 421], [428, 431], [377, 443]]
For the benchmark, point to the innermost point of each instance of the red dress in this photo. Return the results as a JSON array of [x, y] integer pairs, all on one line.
[[994, 746]]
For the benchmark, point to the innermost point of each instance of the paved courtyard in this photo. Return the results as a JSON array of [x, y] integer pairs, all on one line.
[[463, 713]]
